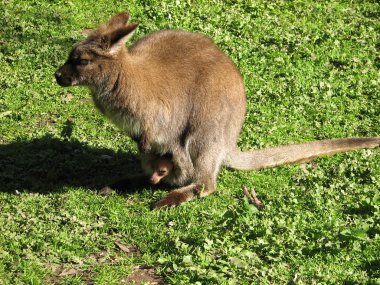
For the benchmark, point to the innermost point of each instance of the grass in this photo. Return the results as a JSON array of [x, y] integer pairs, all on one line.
[[311, 70]]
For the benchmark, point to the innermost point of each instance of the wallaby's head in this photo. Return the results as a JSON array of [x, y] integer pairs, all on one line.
[[91, 61]]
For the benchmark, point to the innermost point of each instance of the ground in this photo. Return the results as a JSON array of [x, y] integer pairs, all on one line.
[[311, 71]]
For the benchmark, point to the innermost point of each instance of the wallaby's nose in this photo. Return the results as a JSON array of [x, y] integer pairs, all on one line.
[[62, 80]]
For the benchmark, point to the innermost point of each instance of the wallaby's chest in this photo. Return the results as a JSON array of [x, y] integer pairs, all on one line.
[[156, 131], [121, 118], [126, 123]]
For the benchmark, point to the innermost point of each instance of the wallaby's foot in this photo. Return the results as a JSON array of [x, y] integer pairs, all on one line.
[[178, 196]]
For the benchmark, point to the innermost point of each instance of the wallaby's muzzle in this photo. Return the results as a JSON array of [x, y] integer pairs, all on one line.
[[66, 76], [61, 80]]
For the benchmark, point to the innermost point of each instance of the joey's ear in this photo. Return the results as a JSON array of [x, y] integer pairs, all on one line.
[[118, 38]]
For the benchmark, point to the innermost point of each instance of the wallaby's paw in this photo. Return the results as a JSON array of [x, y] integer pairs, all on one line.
[[178, 196], [173, 199]]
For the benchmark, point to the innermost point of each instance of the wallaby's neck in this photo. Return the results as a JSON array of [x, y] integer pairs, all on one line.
[[118, 90]]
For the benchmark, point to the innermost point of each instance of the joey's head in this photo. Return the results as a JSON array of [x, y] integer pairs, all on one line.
[[162, 167], [93, 60]]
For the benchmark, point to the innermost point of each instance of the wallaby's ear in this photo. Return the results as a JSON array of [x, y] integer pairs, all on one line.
[[118, 38], [113, 34], [116, 22]]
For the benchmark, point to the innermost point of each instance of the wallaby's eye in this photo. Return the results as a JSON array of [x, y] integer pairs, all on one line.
[[161, 172], [83, 62]]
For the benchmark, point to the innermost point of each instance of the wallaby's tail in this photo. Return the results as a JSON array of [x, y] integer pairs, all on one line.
[[269, 157]]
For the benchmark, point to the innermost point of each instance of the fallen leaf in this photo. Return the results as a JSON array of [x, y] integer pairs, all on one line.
[[68, 272], [131, 250], [68, 97], [4, 114], [121, 246]]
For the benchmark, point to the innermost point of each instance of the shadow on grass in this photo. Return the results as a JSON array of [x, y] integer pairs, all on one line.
[[372, 268], [48, 164]]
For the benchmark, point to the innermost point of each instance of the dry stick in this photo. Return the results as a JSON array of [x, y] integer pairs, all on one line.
[[252, 197], [246, 193], [258, 203]]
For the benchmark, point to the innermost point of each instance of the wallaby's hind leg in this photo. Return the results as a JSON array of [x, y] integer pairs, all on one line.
[[206, 169], [183, 170]]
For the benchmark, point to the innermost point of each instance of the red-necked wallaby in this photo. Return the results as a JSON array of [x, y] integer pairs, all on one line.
[[176, 93]]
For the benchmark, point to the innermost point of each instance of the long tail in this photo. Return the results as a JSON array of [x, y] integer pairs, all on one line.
[[304, 152]]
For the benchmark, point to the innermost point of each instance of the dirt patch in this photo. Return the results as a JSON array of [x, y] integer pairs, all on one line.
[[143, 274], [61, 272], [140, 274]]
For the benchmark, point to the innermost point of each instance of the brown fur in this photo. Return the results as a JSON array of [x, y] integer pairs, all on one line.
[[160, 167], [176, 93]]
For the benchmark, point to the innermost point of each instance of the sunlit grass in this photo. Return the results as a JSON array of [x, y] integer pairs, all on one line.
[[311, 70]]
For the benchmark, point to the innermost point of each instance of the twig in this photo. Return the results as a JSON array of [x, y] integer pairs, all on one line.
[[252, 197]]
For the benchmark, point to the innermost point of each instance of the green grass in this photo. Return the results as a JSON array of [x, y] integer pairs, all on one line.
[[311, 70]]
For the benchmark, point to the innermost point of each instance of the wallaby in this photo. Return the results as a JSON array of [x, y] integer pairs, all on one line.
[[176, 93]]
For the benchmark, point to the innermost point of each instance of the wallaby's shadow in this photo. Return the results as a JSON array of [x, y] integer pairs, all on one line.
[[48, 164]]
